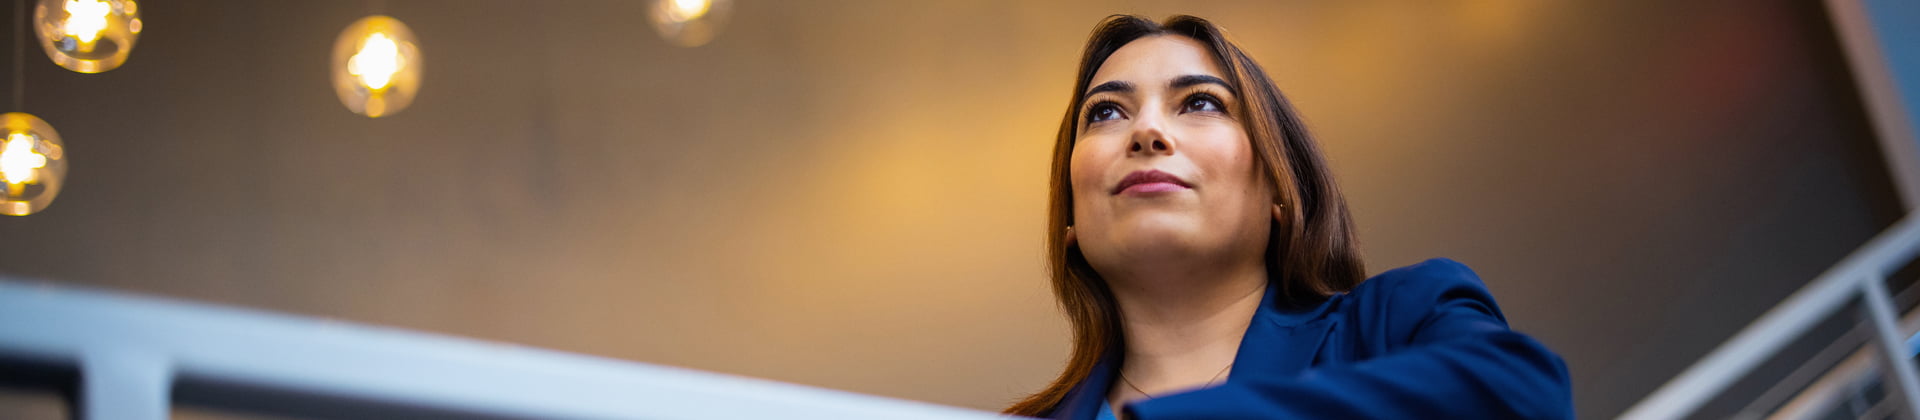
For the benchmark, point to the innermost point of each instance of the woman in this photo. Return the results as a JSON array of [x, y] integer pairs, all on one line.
[[1207, 264]]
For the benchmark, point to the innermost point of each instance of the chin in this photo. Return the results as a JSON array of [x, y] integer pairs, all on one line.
[[1157, 237]]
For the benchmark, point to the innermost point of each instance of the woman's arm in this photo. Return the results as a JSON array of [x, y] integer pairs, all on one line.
[[1454, 358]]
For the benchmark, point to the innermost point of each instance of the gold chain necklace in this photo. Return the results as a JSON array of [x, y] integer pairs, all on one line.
[[1216, 377]]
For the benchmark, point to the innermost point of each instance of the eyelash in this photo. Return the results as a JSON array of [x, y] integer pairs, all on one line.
[[1096, 107], [1218, 105]]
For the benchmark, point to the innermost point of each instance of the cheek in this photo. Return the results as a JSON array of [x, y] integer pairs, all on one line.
[[1083, 174], [1226, 157]]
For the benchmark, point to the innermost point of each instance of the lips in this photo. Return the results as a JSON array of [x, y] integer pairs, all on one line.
[[1150, 181]]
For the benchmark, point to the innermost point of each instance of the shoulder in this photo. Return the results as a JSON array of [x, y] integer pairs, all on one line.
[[1402, 302], [1432, 273], [1420, 284]]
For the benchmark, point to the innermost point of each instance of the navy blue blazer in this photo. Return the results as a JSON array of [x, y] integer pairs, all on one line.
[[1423, 341]]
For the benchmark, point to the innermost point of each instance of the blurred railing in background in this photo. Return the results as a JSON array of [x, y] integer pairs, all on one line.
[[1874, 380], [1869, 371], [127, 357]]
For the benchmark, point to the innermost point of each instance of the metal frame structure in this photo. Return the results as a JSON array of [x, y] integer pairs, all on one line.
[[1877, 38], [1862, 26], [1860, 277], [125, 356]]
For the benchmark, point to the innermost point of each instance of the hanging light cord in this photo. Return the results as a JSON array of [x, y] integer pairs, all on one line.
[[19, 55]]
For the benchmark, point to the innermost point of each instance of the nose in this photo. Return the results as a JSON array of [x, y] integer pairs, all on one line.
[[1150, 138]]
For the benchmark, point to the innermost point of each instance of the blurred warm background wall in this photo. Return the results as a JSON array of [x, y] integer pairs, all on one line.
[[850, 194]]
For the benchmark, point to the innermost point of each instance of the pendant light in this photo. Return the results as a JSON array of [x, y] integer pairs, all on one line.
[[87, 36], [376, 66], [689, 23], [33, 161]]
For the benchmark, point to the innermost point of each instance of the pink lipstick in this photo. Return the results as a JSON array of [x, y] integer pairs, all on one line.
[[1150, 182]]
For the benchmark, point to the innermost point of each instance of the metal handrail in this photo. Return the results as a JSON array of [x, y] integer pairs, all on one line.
[[1861, 275], [1843, 366], [132, 352]]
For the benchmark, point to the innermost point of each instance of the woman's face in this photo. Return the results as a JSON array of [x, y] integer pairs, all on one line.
[[1164, 184]]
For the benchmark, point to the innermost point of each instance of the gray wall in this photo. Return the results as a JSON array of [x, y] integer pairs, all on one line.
[[850, 193]]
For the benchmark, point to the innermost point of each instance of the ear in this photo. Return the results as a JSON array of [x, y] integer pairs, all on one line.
[[1072, 240], [1282, 225]]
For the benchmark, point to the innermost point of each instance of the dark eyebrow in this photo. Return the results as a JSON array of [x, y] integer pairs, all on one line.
[[1182, 82], [1191, 80], [1120, 86]]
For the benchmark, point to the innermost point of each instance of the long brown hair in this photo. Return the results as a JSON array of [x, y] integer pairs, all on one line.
[[1310, 255]]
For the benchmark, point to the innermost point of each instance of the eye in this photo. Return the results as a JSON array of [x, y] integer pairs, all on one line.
[[1201, 102], [1103, 111]]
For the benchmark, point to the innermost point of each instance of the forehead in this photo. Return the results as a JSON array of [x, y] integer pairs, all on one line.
[[1156, 58]]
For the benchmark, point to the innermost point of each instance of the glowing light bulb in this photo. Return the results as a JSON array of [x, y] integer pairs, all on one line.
[[685, 10], [85, 20], [689, 23], [33, 164], [376, 66], [18, 160], [378, 59], [87, 36]]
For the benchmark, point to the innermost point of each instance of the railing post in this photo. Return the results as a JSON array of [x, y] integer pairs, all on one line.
[[124, 385], [1903, 381]]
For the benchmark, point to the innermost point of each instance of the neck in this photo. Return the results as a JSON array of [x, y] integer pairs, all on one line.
[[1184, 335]]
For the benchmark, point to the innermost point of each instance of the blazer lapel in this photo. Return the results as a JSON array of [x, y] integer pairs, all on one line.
[[1278, 342], [1083, 402], [1282, 342]]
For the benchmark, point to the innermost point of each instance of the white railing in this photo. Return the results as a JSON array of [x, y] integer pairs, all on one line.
[[1860, 277], [130, 353]]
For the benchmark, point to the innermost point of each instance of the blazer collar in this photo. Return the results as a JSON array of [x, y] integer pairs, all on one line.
[[1280, 341], [1283, 339], [1083, 402]]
